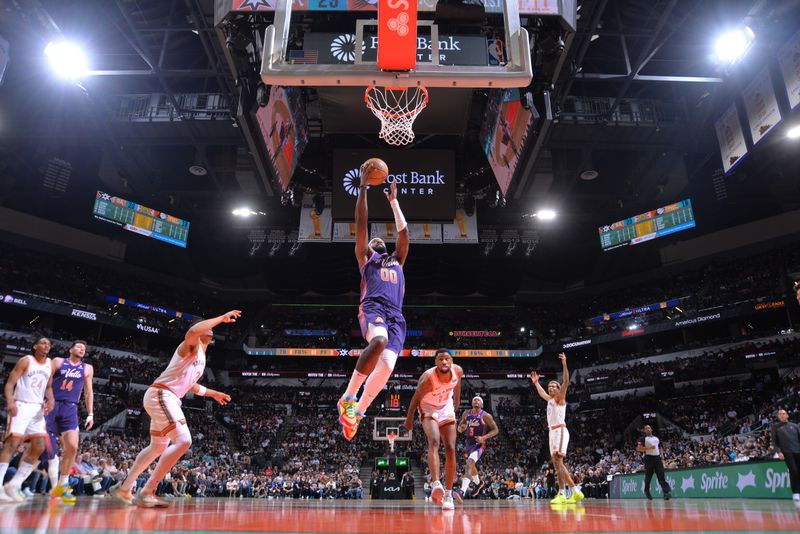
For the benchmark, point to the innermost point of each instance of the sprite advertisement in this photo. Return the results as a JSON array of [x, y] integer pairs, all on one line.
[[747, 480]]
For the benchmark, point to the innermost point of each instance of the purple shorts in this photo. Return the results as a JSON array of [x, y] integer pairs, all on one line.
[[64, 417], [377, 314], [474, 447]]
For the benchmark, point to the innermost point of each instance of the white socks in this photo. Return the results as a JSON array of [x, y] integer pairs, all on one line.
[[355, 384], [476, 479], [377, 379], [64, 481], [3, 469], [24, 471], [464, 484], [52, 471]]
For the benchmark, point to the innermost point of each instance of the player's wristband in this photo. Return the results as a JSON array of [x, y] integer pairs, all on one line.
[[90, 416], [201, 390], [399, 220]]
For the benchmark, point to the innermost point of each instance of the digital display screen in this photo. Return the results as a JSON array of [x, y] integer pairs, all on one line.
[[647, 226], [504, 133], [284, 130], [425, 182], [381, 462], [401, 462], [141, 219]]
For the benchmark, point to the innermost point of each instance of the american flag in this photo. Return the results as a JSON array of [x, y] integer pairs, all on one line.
[[303, 57]]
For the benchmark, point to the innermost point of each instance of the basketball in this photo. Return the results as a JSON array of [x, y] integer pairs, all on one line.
[[379, 171]]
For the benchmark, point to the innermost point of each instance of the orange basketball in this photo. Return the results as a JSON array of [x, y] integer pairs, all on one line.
[[377, 171]]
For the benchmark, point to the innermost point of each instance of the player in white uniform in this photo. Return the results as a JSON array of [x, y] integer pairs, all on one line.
[[556, 398], [29, 397], [162, 401], [438, 393]]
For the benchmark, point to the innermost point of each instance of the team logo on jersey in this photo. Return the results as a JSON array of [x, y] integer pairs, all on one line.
[[379, 319], [351, 182]]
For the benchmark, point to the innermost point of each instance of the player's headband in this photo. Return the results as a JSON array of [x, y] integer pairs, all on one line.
[[556, 384], [478, 400]]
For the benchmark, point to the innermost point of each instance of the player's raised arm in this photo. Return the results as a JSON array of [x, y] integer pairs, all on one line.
[[539, 389], [361, 217], [202, 328], [423, 387], [561, 396], [401, 250]]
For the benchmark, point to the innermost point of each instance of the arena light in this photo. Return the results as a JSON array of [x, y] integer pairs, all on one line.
[[794, 133], [545, 214], [67, 60], [634, 326], [733, 45], [246, 212], [522, 329]]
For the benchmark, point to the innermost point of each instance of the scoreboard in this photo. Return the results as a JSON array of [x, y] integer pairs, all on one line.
[[140, 219], [649, 225]]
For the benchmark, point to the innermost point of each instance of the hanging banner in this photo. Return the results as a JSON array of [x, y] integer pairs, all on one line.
[[315, 227], [464, 229], [789, 60], [761, 105], [731, 139], [417, 233], [344, 232]]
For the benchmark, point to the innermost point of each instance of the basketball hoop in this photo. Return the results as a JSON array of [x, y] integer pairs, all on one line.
[[391, 437], [397, 108]]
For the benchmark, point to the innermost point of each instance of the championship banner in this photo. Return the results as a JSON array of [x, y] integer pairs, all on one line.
[[464, 229], [752, 480], [789, 60], [397, 31], [761, 105], [315, 226], [4, 56], [419, 234], [344, 232], [731, 139]]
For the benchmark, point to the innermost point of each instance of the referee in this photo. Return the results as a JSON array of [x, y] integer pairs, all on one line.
[[652, 463], [786, 438]]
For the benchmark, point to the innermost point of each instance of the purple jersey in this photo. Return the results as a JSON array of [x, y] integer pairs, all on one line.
[[382, 280], [475, 426], [68, 382]]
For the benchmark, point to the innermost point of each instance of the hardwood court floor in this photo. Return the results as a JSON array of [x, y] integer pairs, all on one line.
[[400, 517]]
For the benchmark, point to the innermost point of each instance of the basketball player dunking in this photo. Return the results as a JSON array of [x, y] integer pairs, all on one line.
[[70, 378], [380, 313], [162, 401], [480, 427], [556, 398], [29, 398], [438, 393]]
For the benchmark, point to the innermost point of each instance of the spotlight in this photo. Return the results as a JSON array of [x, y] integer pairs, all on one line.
[[522, 329], [545, 214], [246, 212], [794, 133], [67, 60], [633, 327], [733, 45]]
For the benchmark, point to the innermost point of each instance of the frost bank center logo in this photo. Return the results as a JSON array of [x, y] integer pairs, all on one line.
[[411, 182]]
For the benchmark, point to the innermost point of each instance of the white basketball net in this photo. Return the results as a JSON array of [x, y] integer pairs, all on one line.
[[397, 108]]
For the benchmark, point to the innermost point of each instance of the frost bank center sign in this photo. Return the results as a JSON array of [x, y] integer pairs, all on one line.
[[748, 480]]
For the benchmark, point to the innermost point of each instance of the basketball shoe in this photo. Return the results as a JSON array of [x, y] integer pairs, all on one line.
[[64, 493], [122, 495], [148, 500], [447, 503], [560, 498], [576, 497], [347, 411], [437, 493], [350, 431]]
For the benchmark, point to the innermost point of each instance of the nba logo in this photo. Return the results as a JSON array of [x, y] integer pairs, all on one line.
[[496, 55]]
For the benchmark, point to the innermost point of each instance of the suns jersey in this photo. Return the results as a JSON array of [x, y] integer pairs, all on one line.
[[183, 373], [382, 279], [556, 413], [475, 425], [33, 383], [68, 381], [441, 393]]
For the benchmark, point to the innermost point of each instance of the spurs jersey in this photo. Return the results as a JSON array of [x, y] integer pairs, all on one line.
[[441, 394], [33, 382], [556, 413], [183, 373]]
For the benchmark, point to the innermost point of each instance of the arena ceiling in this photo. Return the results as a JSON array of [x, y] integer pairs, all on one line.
[[626, 55]]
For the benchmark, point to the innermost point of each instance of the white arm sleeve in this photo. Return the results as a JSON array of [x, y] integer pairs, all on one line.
[[399, 219]]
